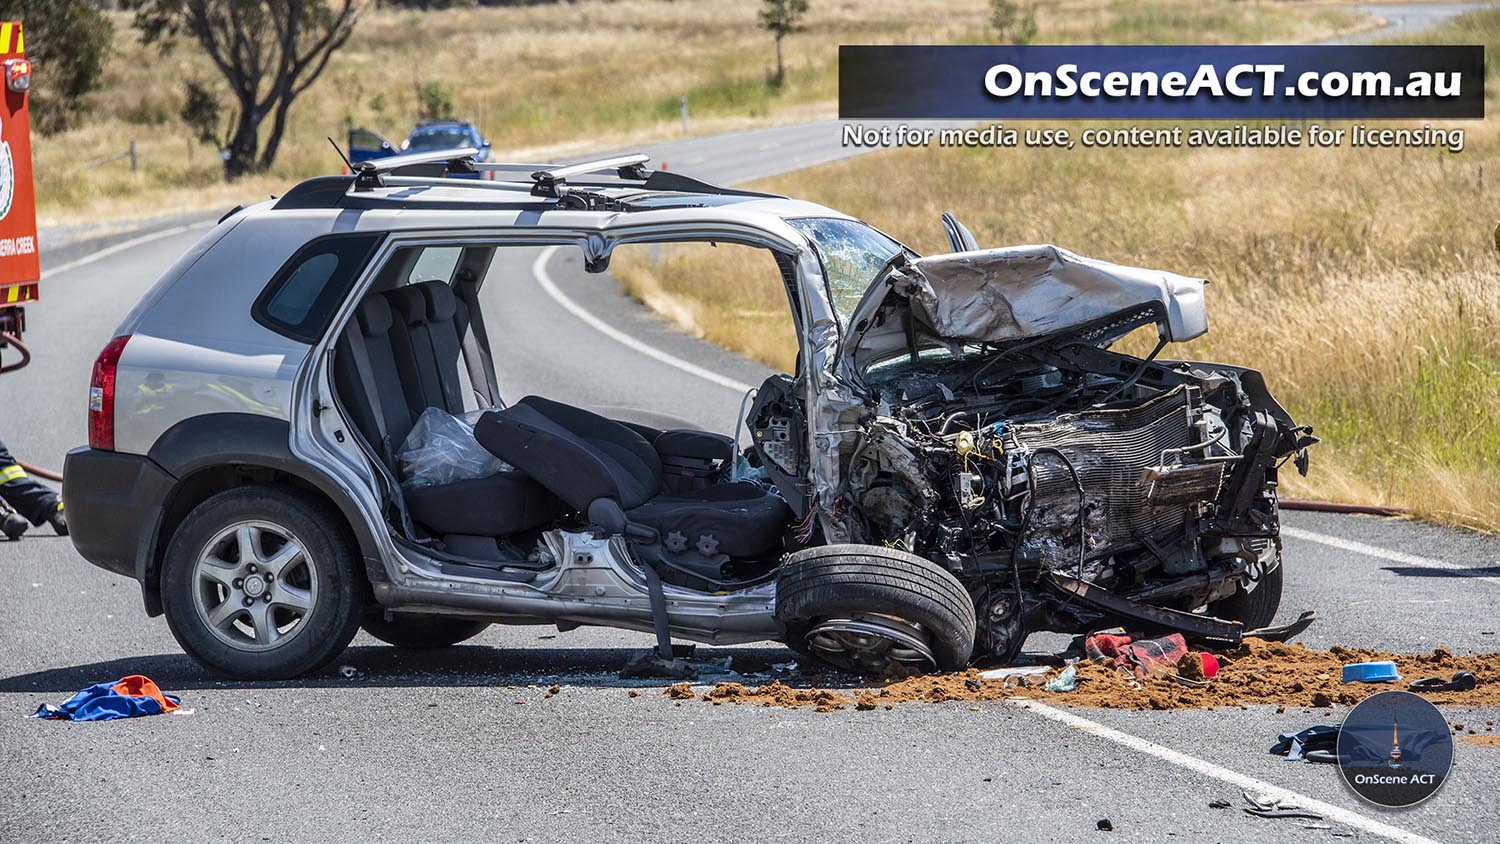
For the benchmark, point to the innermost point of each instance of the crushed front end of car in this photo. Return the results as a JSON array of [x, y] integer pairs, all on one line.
[[1067, 486]]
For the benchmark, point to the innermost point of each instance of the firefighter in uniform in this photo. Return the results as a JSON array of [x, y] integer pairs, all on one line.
[[26, 500]]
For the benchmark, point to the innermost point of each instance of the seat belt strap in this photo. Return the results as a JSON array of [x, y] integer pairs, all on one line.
[[473, 362], [477, 354], [366, 372]]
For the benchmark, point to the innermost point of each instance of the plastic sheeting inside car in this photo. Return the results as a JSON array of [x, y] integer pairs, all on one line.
[[441, 449]]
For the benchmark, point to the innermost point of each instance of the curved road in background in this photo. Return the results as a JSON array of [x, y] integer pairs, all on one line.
[[458, 746]]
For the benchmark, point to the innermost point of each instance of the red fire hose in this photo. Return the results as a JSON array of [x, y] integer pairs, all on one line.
[[8, 339], [40, 472], [1332, 507]]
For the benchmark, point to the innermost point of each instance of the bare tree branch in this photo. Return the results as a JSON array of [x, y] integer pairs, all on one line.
[[269, 51]]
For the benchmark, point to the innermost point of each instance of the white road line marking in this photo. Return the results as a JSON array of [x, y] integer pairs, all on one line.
[[121, 247], [1386, 554], [1209, 769], [539, 269]]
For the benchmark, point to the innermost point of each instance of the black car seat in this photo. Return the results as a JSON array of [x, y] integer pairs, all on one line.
[[398, 357], [425, 333], [588, 460]]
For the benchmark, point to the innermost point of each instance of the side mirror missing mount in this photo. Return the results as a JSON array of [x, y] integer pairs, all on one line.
[[960, 239]]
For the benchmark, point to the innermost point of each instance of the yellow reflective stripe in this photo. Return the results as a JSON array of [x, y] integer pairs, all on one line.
[[11, 473], [5, 37], [12, 294], [20, 40]]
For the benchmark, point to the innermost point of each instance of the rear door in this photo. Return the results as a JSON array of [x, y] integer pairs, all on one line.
[[367, 145]]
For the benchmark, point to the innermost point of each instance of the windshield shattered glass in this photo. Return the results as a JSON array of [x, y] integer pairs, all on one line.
[[852, 254]]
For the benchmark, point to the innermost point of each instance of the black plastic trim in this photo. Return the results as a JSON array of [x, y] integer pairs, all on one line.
[[336, 288], [319, 192], [114, 505]]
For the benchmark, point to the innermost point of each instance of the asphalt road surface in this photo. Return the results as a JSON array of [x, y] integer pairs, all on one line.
[[464, 745], [1403, 18]]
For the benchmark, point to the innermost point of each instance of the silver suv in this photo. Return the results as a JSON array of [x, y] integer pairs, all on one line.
[[958, 462]]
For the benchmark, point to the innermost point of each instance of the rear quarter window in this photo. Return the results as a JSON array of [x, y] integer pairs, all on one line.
[[301, 299]]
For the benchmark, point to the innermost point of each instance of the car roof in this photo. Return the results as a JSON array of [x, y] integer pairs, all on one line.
[[441, 124]]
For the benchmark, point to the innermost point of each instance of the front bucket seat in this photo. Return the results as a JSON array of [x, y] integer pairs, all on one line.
[[586, 459]]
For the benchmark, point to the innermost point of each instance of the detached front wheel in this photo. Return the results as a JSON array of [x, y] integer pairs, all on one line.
[[260, 584], [868, 609]]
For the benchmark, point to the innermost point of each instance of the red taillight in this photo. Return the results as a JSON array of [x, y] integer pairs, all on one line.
[[102, 395]]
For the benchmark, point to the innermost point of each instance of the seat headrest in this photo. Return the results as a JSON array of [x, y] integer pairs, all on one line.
[[441, 303], [374, 315], [409, 305]]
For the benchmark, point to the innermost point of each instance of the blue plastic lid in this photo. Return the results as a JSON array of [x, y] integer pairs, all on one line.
[[1383, 671]]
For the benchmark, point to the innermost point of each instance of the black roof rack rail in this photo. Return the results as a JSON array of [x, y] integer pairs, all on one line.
[[667, 180]]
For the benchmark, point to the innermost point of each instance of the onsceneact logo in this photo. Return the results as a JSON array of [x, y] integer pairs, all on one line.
[[1119, 82], [1241, 80]]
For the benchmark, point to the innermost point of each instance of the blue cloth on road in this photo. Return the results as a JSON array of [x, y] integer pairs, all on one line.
[[128, 697]]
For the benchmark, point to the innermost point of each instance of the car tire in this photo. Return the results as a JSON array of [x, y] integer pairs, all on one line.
[[422, 631], [1256, 608], [261, 584], [818, 588]]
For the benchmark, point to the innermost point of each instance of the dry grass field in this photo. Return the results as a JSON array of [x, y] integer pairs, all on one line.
[[554, 78], [1364, 282]]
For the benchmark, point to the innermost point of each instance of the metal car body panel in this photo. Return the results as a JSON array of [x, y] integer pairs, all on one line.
[[1020, 293], [193, 347]]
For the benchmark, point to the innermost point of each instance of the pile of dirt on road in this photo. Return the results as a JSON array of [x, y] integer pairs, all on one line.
[[1286, 675], [1256, 672]]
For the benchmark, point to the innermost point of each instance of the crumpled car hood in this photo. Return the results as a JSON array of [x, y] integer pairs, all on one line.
[[1020, 292]]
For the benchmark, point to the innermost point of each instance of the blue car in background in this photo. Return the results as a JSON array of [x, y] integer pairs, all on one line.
[[368, 145], [448, 134]]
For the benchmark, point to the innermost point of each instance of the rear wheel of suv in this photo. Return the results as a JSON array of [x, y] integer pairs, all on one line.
[[260, 583], [422, 631], [870, 609]]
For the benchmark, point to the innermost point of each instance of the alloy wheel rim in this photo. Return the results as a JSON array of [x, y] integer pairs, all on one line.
[[871, 644], [254, 585]]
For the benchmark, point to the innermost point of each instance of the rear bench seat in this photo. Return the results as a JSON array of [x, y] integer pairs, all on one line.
[[405, 347]]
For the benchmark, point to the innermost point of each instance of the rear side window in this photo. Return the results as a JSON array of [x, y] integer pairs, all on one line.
[[300, 301]]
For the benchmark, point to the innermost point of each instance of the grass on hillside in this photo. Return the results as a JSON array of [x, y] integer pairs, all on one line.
[[554, 78], [1363, 282]]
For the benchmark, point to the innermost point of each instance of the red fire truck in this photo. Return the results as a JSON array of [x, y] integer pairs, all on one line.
[[19, 269]]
